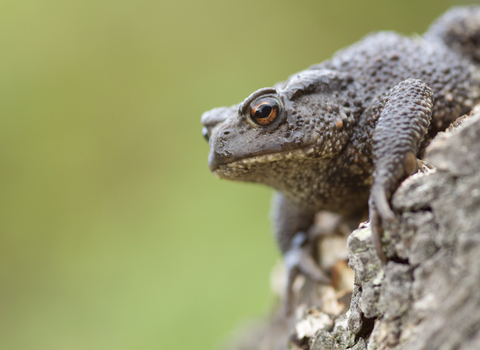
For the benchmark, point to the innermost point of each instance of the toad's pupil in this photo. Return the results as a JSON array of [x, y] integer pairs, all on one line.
[[263, 111]]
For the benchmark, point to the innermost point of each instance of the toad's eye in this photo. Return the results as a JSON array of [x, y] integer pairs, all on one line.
[[265, 110]]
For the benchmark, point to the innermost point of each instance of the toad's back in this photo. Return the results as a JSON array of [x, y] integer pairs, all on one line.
[[381, 60]]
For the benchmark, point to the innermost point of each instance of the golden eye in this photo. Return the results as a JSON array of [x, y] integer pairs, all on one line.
[[265, 110]]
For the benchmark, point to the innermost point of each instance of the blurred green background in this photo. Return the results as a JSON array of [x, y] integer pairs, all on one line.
[[114, 234]]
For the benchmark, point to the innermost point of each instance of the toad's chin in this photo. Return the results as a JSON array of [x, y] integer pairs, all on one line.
[[246, 165]]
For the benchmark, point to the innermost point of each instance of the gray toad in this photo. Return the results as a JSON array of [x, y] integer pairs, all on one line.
[[342, 135]]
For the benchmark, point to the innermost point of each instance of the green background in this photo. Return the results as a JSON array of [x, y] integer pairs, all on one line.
[[113, 232]]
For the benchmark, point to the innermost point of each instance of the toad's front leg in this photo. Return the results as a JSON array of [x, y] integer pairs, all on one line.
[[402, 120], [292, 230]]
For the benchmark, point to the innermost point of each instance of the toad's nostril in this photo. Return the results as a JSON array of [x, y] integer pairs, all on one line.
[[205, 133]]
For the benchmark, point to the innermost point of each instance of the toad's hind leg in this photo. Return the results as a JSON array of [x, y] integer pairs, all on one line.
[[403, 120], [459, 28]]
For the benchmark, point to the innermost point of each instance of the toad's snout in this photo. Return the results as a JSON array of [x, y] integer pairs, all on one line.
[[212, 118]]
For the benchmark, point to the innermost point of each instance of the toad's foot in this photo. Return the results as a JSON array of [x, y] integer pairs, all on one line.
[[299, 261]]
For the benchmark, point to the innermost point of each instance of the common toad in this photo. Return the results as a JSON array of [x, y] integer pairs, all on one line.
[[342, 135]]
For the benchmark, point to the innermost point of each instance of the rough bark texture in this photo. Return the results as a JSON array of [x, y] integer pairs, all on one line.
[[428, 294]]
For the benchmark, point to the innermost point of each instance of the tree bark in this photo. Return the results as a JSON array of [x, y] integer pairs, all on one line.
[[427, 296]]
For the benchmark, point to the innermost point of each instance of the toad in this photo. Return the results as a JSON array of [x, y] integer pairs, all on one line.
[[343, 134]]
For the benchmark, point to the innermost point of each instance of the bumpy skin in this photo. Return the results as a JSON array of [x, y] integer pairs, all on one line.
[[349, 129]]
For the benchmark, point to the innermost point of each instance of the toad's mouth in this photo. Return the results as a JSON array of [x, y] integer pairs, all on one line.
[[248, 162]]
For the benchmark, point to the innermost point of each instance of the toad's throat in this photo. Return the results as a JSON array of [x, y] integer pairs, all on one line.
[[243, 164]]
